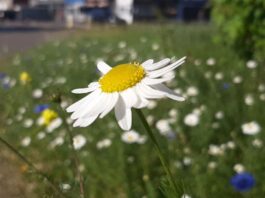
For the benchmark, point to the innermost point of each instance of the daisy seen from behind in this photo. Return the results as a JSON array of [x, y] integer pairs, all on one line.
[[122, 88]]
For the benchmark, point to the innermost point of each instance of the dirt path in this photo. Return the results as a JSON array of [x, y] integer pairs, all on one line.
[[12, 183]]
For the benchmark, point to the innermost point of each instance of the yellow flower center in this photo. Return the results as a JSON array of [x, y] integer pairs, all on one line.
[[122, 77], [48, 115]]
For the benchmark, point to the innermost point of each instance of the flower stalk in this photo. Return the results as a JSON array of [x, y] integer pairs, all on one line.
[[163, 161], [33, 167]]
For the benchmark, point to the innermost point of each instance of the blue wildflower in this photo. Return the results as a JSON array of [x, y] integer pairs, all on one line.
[[41, 107], [2, 75], [242, 182], [226, 86]]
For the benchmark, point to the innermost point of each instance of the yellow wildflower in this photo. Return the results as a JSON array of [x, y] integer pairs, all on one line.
[[24, 77], [48, 116]]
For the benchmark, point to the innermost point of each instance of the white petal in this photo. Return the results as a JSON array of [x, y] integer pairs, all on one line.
[[153, 81], [110, 105], [97, 107], [169, 93], [90, 88], [163, 71], [158, 65], [129, 97], [123, 115], [77, 105], [147, 62], [87, 106], [81, 122], [148, 92], [103, 67]]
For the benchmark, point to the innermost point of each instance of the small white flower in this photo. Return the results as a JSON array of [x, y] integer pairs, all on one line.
[[56, 123], [192, 91], [237, 79], [239, 168], [208, 74], [155, 46], [173, 113], [105, 143], [215, 125], [257, 143], [60, 80], [150, 119], [64, 104], [249, 100], [212, 165], [251, 128], [185, 196], [65, 187], [215, 150], [122, 44], [130, 137], [251, 64], [163, 126], [210, 61], [192, 119], [152, 104], [187, 161], [41, 135], [28, 123], [37, 93], [219, 115], [79, 141], [58, 141], [262, 97], [197, 62], [26, 141], [219, 76], [231, 145], [22, 110], [261, 87]]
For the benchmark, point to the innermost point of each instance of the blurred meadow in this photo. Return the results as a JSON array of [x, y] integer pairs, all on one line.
[[215, 134]]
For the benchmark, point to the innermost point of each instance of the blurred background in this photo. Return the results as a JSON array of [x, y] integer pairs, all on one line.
[[214, 141]]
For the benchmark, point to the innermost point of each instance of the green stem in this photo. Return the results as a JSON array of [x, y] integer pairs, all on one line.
[[158, 149], [31, 165]]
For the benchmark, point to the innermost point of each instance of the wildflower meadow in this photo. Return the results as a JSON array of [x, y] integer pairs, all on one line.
[[212, 142]]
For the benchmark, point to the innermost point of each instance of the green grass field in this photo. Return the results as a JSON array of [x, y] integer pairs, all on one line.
[[204, 149]]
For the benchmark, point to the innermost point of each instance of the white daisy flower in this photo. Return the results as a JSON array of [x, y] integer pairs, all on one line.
[[210, 61], [251, 128], [123, 87], [26, 141], [37, 93], [251, 64], [237, 79], [105, 143], [239, 168], [192, 91], [130, 137], [79, 141], [192, 119]]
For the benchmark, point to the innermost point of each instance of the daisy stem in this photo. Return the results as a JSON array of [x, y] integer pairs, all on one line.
[[158, 149], [33, 167]]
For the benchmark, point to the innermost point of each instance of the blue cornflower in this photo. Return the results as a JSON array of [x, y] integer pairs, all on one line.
[[2, 75], [41, 107], [226, 86], [242, 182]]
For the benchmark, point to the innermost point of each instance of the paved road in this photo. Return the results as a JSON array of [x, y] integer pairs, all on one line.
[[18, 37]]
